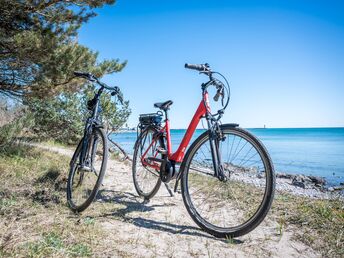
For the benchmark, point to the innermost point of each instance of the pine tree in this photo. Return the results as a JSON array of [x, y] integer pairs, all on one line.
[[39, 49], [39, 53]]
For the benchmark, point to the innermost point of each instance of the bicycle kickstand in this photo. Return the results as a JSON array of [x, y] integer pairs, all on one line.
[[169, 189]]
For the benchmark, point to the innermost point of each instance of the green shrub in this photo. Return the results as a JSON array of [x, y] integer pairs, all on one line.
[[9, 132], [62, 118]]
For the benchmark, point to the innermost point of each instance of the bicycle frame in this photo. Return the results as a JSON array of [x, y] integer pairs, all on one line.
[[178, 156], [201, 111]]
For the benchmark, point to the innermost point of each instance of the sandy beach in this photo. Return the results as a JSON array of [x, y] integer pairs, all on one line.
[[163, 228]]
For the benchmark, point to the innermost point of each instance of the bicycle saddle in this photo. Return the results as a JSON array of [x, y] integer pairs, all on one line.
[[164, 105]]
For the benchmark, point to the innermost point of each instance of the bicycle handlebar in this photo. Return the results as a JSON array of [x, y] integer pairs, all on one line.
[[93, 78], [199, 67], [205, 69], [82, 74], [115, 90]]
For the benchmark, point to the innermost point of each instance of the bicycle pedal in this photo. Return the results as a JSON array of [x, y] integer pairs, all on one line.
[[161, 150]]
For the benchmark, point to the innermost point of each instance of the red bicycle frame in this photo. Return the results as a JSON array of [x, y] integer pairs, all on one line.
[[178, 156], [201, 111]]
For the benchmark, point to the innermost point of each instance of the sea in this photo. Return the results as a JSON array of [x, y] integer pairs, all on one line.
[[308, 151]]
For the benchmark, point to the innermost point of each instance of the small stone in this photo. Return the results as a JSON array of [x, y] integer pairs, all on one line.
[[298, 184], [284, 175], [338, 188], [318, 185], [317, 180]]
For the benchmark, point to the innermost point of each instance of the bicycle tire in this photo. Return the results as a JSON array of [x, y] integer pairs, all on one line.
[[154, 189], [76, 207], [264, 206]]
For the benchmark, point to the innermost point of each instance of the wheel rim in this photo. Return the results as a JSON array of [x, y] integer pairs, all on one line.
[[146, 178], [231, 205], [83, 182]]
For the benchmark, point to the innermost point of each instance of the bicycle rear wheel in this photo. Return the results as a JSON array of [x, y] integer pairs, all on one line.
[[147, 178], [235, 206], [84, 182]]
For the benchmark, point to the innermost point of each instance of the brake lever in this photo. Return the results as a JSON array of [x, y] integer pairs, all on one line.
[[120, 98], [118, 93], [218, 94], [216, 97]]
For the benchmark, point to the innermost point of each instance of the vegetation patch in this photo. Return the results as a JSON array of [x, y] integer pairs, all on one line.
[[319, 223], [53, 244], [34, 218]]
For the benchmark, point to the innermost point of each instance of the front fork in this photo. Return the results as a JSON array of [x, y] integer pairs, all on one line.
[[88, 144], [215, 137]]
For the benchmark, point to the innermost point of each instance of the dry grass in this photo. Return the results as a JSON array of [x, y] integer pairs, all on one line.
[[317, 223], [34, 219]]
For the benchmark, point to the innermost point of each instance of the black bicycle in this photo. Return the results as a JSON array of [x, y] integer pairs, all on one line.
[[88, 164]]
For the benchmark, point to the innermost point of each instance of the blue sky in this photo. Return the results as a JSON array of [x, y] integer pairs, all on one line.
[[284, 59]]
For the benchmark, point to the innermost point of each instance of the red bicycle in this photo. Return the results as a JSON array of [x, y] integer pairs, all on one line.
[[227, 176]]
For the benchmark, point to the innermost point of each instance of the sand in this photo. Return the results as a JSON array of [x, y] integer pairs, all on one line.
[[163, 228]]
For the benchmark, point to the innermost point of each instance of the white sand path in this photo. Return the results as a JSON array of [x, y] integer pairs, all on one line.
[[163, 228]]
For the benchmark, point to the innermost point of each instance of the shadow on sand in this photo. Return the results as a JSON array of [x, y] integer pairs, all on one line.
[[133, 203]]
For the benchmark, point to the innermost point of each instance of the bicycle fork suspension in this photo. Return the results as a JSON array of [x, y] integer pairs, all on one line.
[[214, 141], [86, 145]]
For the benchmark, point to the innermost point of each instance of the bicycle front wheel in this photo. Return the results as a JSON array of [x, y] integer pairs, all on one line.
[[84, 181], [232, 207], [146, 172]]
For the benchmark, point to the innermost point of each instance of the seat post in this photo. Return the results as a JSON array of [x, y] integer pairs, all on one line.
[[166, 114]]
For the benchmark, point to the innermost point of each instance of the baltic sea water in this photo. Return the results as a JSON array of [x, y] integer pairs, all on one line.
[[309, 151]]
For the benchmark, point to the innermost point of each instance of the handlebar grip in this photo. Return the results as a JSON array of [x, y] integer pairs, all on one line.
[[195, 67], [81, 74]]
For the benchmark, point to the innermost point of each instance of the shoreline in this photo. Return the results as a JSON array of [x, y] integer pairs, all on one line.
[[284, 185], [298, 185]]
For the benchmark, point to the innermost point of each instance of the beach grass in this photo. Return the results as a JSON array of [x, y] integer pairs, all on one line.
[[318, 223], [34, 218]]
